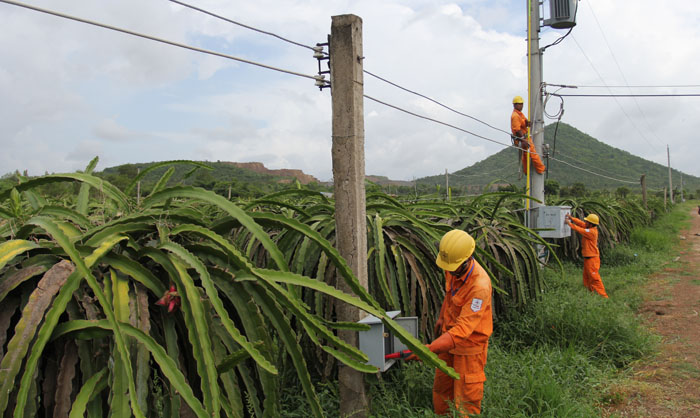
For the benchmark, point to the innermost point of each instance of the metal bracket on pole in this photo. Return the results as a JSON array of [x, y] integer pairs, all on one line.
[[321, 55]]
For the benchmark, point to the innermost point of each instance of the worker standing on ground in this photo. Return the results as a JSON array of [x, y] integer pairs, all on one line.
[[521, 138], [464, 326], [588, 229]]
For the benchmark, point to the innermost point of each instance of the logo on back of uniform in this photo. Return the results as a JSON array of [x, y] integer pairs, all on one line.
[[476, 304]]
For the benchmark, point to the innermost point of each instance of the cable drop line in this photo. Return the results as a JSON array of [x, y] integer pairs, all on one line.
[[153, 38]]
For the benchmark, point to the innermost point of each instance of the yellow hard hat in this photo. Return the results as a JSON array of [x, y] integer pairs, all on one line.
[[517, 99], [455, 247], [592, 218]]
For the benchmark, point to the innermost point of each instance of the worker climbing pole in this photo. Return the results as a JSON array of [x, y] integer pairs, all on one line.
[[519, 126]]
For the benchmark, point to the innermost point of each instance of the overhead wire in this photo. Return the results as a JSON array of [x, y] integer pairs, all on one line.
[[631, 95], [434, 101], [502, 168], [439, 122], [227, 56], [588, 164], [181, 3], [616, 101], [629, 86], [488, 139], [156, 39], [594, 173], [619, 68]]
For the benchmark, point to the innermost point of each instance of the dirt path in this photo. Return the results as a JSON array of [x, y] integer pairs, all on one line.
[[668, 385]]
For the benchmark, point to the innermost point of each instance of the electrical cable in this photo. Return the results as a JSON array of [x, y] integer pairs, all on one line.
[[629, 86], [619, 68], [594, 173], [587, 164], [561, 38], [241, 24], [435, 101], [632, 95], [616, 101], [437, 121], [153, 38], [502, 168]]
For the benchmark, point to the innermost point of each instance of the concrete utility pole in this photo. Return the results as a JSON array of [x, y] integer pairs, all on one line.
[[682, 188], [670, 182], [447, 185], [534, 103], [643, 180], [348, 154]]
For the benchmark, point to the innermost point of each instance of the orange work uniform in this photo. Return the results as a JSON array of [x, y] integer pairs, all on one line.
[[466, 316], [591, 256], [518, 123]]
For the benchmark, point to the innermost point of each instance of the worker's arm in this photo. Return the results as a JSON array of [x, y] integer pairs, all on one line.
[[586, 232], [516, 126], [577, 221]]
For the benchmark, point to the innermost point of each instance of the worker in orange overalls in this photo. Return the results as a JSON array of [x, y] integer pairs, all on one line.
[[521, 138], [464, 326], [588, 229]]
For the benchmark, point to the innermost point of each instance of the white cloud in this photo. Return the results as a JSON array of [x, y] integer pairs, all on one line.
[[63, 82]]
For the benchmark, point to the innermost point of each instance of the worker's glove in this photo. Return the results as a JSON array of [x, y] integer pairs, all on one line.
[[442, 344], [414, 357]]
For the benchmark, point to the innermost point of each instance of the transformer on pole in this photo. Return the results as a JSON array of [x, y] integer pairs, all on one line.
[[562, 14]]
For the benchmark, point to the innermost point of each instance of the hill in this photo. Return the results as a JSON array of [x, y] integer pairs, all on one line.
[[242, 179], [572, 148]]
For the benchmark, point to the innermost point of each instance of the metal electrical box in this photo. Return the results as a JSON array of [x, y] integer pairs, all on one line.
[[551, 217], [378, 341], [562, 14]]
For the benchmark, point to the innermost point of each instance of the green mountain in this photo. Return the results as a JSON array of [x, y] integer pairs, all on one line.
[[576, 157]]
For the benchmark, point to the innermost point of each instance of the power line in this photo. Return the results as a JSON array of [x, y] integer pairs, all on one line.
[[616, 101], [153, 38], [591, 172], [586, 164], [440, 122], [619, 68], [241, 24], [629, 86], [435, 101], [503, 168], [630, 95]]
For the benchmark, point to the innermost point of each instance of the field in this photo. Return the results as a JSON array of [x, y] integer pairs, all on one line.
[[186, 302]]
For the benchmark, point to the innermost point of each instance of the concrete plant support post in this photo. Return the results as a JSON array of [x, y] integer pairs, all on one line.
[[348, 152]]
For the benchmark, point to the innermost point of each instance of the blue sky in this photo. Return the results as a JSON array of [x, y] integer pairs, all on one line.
[[73, 91]]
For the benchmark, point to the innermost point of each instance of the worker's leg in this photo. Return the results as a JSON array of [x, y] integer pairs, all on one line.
[[592, 265], [443, 387], [586, 278], [469, 389], [536, 160]]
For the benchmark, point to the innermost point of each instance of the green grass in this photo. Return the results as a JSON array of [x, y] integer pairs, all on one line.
[[559, 358]]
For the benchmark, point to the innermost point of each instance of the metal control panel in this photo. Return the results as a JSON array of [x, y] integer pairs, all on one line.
[[379, 341], [551, 218]]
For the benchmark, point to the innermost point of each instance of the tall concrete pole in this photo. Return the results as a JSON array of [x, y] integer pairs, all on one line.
[[535, 100], [643, 180], [447, 185], [670, 182], [348, 152]]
